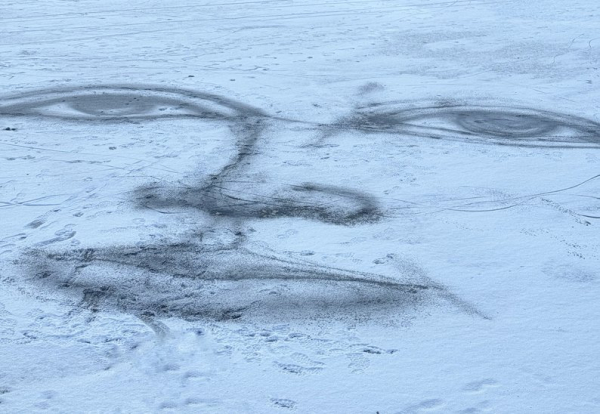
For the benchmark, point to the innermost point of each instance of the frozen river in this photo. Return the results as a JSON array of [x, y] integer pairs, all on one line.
[[299, 206]]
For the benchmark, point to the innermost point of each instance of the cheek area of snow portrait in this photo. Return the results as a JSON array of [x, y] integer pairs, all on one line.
[[300, 206]]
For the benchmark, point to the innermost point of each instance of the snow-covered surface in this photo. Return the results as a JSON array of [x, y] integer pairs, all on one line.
[[300, 206]]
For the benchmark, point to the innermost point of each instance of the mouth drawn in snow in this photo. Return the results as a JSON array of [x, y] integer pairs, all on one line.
[[194, 281]]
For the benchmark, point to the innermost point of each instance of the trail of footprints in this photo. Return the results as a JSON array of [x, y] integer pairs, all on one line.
[[470, 390], [196, 356]]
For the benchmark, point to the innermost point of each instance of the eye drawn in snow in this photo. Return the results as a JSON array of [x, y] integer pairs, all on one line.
[[118, 103], [216, 272], [498, 125]]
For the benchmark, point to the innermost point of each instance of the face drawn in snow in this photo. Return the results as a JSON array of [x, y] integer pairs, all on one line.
[[209, 274], [212, 273], [268, 174]]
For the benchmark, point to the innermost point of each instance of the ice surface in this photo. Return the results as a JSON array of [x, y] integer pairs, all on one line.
[[299, 206]]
